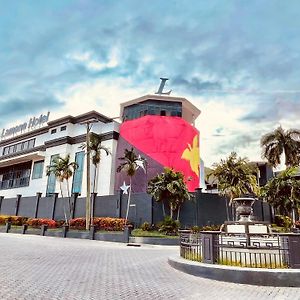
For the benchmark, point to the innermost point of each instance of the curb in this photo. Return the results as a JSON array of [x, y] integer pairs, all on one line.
[[252, 276]]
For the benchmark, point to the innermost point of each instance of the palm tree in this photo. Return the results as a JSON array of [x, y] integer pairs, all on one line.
[[283, 192], [235, 176], [279, 142], [63, 169], [169, 186], [95, 148], [130, 162]]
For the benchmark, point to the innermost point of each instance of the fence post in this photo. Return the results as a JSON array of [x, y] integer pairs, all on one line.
[[93, 200], [7, 226], [294, 253], [55, 195], [65, 229], [75, 196], [24, 228], [17, 204], [92, 232], [43, 229], [38, 196], [126, 233], [210, 241], [1, 198]]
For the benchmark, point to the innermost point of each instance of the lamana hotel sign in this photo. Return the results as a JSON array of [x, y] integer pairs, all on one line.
[[33, 123]]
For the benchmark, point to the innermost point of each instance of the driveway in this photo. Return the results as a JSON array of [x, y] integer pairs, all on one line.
[[34, 267]]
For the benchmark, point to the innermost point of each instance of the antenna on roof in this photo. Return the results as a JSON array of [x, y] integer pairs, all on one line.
[[161, 87]]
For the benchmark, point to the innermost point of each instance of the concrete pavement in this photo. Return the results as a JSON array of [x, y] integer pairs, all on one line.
[[35, 267]]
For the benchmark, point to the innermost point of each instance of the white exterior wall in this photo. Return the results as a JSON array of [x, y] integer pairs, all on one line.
[[105, 184]]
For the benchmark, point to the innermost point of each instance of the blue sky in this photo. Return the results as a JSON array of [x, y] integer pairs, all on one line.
[[238, 61]]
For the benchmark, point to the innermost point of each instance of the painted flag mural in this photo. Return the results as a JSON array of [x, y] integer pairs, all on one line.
[[165, 142]]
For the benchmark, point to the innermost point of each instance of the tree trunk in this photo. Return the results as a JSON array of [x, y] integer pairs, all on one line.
[[227, 209], [95, 179], [163, 208], [171, 211], [94, 189], [128, 202], [62, 196], [178, 212], [69, 199]]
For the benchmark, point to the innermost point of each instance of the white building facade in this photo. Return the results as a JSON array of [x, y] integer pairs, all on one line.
[[25, 156]]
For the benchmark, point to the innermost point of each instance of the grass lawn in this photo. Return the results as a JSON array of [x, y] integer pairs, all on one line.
[[141, 233]]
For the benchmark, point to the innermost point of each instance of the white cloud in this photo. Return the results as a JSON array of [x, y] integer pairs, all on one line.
[[104, 96], [94, 64]]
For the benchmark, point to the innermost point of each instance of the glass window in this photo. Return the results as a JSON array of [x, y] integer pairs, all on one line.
[[51, 183], [53, 131], [63, 128], [15, 176], [19, 147], [25, 145], [77, 178], [38, 168], [31, 143]]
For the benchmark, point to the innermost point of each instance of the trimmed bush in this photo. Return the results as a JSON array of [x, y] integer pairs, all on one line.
[[168, 226], [14, 220], [37, 223], [146, 226], [283, 221], [109, 224]]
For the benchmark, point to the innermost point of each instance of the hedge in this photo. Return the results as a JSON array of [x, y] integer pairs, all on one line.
[[109, 224]]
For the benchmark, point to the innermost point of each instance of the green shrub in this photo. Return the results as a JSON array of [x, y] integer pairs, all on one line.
[[297, 224], [211, 228], [169, 226], [283, 221], [196, 229], [146, 226]]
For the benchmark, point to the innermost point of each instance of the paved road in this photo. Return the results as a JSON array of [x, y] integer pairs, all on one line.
[[34, 267]]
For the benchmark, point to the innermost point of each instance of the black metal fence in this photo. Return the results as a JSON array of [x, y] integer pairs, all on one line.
[[242, 250]]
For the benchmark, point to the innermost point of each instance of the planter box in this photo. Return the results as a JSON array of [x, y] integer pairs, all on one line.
[[110, 236], [154, 241]]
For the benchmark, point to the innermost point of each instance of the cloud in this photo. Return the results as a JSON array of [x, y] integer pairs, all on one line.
[[13, 109], [239, 63]]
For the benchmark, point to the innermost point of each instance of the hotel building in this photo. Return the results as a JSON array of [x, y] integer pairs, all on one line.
[[160, 128]]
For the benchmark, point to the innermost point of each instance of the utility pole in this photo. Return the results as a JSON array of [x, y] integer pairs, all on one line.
[[88, 124]]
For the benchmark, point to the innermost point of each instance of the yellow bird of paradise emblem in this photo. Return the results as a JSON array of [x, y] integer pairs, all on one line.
[[191, 154]]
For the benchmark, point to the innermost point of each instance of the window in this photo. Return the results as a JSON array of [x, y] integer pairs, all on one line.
[[63, 128], [38, 168], [51, 183], [77, 178], [19, 147], [15, 176], [53, 131]]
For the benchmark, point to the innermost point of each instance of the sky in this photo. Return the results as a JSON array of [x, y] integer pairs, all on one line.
[[237, 61]]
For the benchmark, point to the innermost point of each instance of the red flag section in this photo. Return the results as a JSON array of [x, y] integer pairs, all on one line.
[[171, 141]]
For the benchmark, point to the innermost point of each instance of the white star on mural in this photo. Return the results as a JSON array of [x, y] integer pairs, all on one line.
[[140, 163], [125, 188]]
